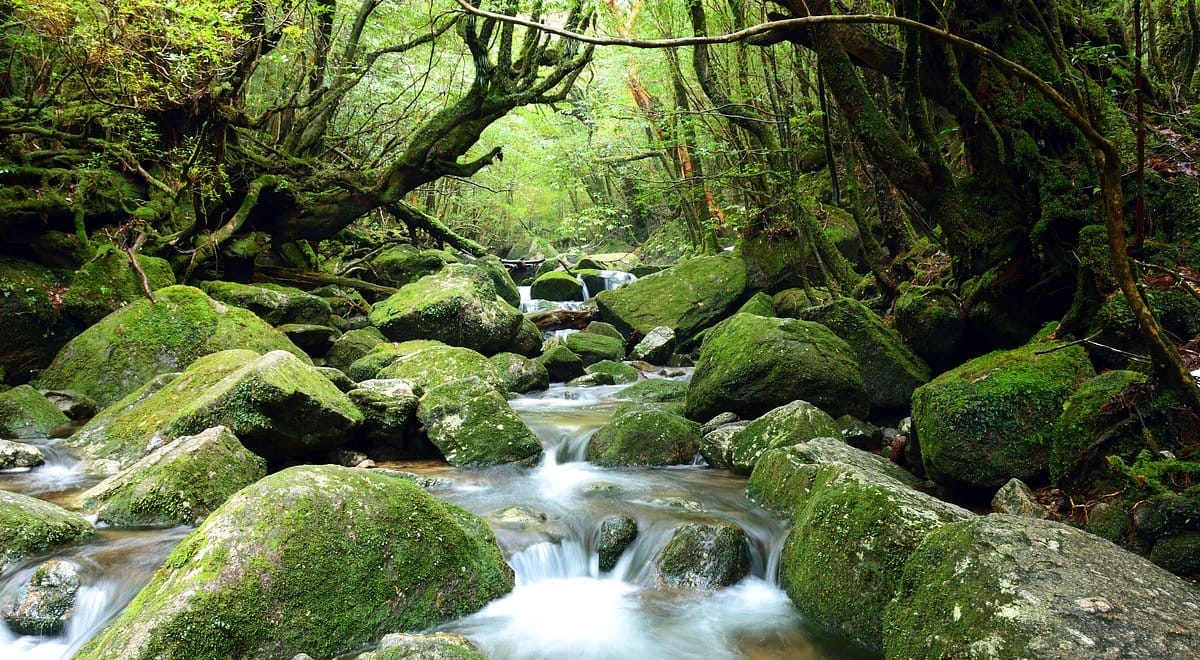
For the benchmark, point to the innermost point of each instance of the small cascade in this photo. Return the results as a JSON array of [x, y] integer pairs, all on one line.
[[583, 288], [616, 278]]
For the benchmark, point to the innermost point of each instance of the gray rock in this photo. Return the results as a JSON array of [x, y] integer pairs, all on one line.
[[473, 424], [719, 421], [19, 455], [47, 602], [656, 347], [74, 405], [704, 556], [715, 445], [616, 533], [1003, 586], [786, 425], [1015, 498], [387, 405], [426, 646]]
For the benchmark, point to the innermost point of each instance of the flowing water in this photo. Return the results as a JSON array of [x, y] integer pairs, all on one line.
[[547, 520]]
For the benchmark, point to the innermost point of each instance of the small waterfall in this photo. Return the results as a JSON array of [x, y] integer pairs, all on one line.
[[583, 287], [616, 278]]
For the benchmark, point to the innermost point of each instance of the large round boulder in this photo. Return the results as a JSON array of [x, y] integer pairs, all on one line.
[[456, 306], [989, 420], [644, 435], [19, 455], [751, 364], [930, 320], [686, 298], [796, 422], [1002, 586], [47, 602], [704, 556], [25, 413], [890, 369], [471, 423], [145, 339], [29, 526], [388, 406], [313, 559], [177, 484], [558, 286], [592, 348], [520, 373], [437, 364]]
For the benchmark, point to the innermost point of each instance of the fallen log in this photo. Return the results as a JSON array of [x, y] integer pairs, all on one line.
[[563, 319]]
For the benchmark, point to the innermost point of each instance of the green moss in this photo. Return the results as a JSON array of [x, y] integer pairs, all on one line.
[[929, 320], [561, 363], [144, 339], [621, 374], [30, 526], [312, 559], [25, 413], [353, 345], [988, 420], [405, 264], [505, 287], [436, 364], [1098, 420], [760, 304], [704, 556], [602, 328], [796, 422], [654, 390], [34, 327], [593, 348], [472, 424], [1179, 554], [520, 374], [382, 354], [789, 303], [616, 533], [273, 303], [1176, 310], [108, 282], [644, 435], [783, 476], [556, 285]]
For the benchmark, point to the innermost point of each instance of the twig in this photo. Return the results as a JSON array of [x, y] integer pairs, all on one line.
[[132, 252]]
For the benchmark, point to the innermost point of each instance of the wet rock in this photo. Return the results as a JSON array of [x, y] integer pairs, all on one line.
[[319, 559], [716, 445], [616, 533], [430, 365], [178, 484], [25, 413], [1015, 498], [557, 285], [644, 435], [561, 363], [656, 347], [30, 526], [47, 602], [595, 348], [275, 304], [520, 373], [352, 346], [142, 340], [719, 421], [750, 365], [592, 380], [19, 455], [654, 390], [704, 556], [387, 406], [1002, 586], [621, 374], [790, 424], [347, 457], [74, 405], [472, 424], [519, 527], [427, 646]]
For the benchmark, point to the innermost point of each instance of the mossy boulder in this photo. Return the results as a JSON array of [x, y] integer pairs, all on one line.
[[1002, 586], [616, 533], [388, 406], [593, 348], [381, 355], [890, 369], [656, 347], [602, 328], [704, 556], [314, 340], [520, 373], [760, 304], [107, 282], [437, 364], [619, 372], [687, 297], [929, 319], [143, 339], [313, 559], [19, 455], [854, 530], [177, 484], [527, 341], [642, 436], [404, 264], [558, 286], [505, 287], [34, 326], [1099, 420], [790, 424], [1176, 310], [1162, 526], [352, 346], [427, 646], [25, 413], [471, 423], [277, 305], [989, 420], [279, 407], [29, 526], [751, 364], [654, 390], [561, 363], [47, 602], [789, 303], [457, 306], [783, 475]]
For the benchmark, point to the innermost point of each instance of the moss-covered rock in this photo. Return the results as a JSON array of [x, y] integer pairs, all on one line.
[[602, 328], [929, 319], [595, 348], [796, 422], [387, 406], [656, 347], [1098, 420], [1177, 311], [47, 602], [381, 355], [314, 559], [352, 346], [520, 373], [789, 303], [29, 526], [471, 423], [25, 413], [527, 341], [314, 340], [404, 264], [854, 530], [505, 287], [279, 407], [177, 484], [715, 445], [1007, 587], [654, 390], [616, 533], [643, 436], [561, 363], [687, 297], [760, 304], [143, 339], [19, 455], [885, 363], [558, 286], [427, 646], [277, 305], [989, 420], [751, 364], [433, 365], [457, 306], [34, 326], [704, 556], [109, 281], [783, 475], [620, 373]]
